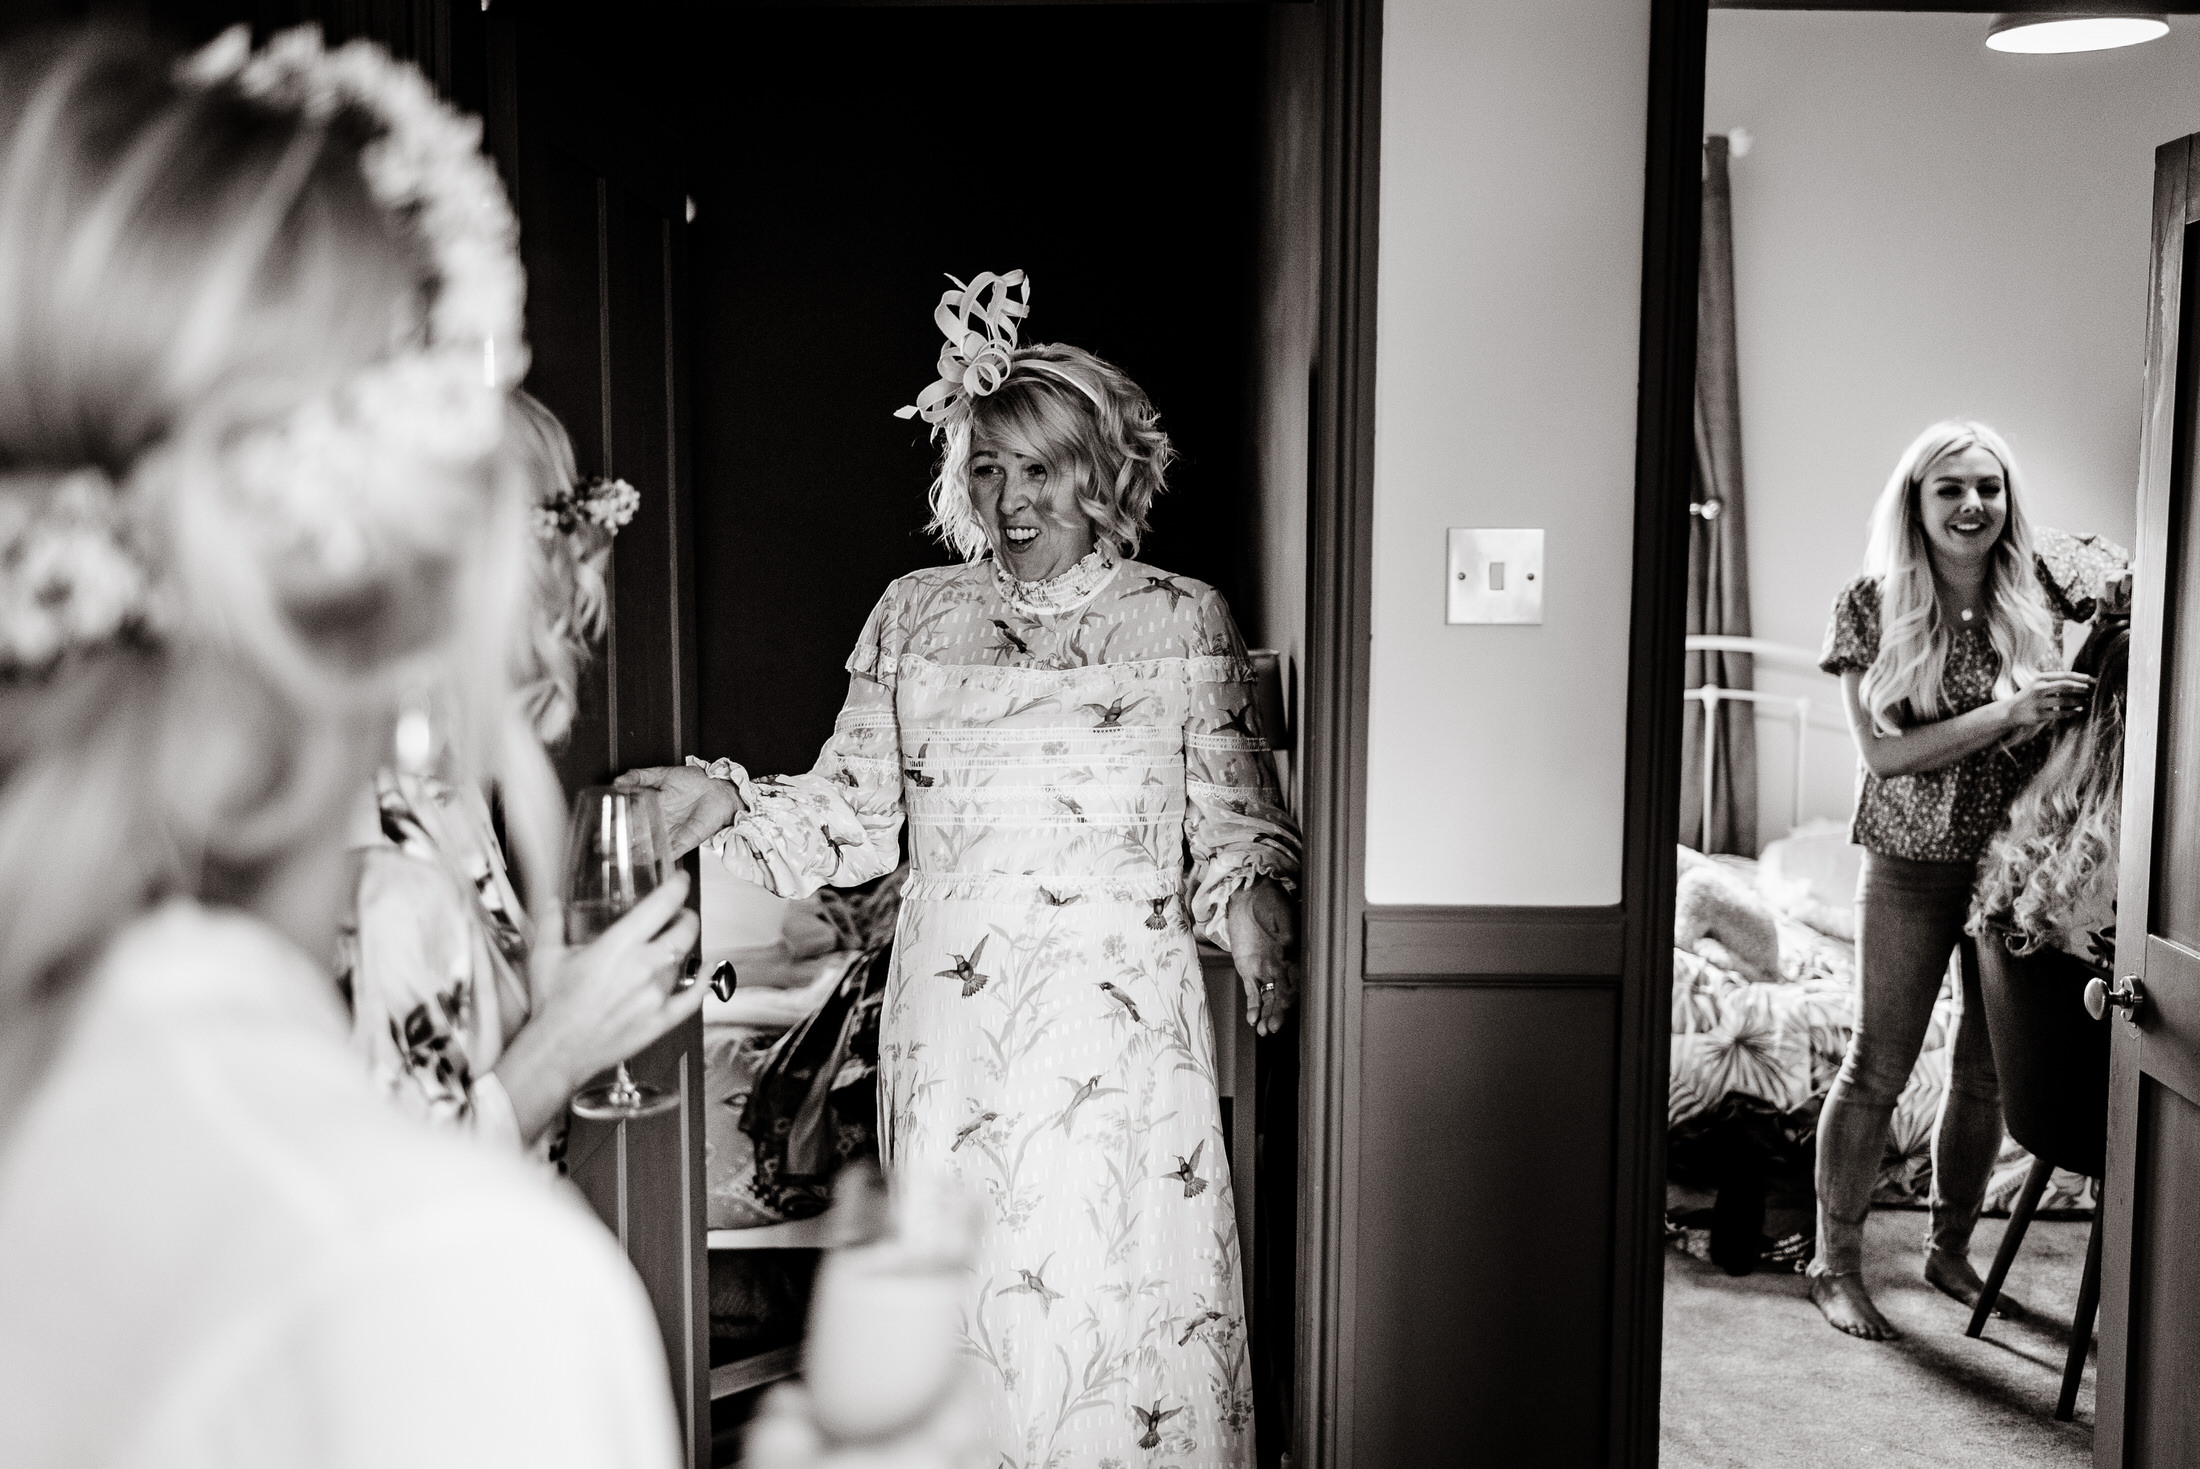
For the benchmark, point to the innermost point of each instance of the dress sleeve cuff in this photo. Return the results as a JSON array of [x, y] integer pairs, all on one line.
[[1221, 887], [735, 774]]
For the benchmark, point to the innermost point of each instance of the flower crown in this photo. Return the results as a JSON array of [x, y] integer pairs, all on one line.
[[70, 577], [607, 504]]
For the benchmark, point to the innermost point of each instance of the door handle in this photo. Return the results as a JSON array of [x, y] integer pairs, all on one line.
[[2128, 995]]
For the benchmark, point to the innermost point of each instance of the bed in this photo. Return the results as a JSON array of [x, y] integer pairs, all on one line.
[[1765, 991]]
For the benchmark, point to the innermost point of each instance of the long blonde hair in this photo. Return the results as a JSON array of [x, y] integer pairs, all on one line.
[[181, 266], [1903, 685]]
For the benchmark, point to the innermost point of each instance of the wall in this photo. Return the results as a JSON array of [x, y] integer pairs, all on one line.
[[1927, 228], [1508, 314], [1483, 1103]]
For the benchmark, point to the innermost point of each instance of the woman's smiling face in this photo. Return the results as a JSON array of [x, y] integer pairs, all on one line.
[[1028, 510], [1963, 504]]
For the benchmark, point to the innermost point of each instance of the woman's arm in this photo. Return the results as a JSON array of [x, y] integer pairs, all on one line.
[[837, 826], [1244, 844], [1943, 742]]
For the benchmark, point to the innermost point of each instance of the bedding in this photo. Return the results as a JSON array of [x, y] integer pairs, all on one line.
[[1754, 1052]]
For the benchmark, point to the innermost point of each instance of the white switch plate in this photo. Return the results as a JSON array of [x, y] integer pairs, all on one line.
[[1494, 576]]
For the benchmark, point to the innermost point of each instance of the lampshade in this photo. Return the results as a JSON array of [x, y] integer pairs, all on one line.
[[2043, 32]]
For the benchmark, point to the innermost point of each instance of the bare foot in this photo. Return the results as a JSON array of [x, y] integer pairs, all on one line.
[[1848, 1307], [1952, 1275]]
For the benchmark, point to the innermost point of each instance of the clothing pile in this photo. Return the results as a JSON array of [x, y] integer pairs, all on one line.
[[788, 1108]]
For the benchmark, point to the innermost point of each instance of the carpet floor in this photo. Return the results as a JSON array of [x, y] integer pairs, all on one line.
[[1755, 1379]]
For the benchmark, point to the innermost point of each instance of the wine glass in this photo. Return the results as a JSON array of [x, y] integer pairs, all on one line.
[[614, 857]]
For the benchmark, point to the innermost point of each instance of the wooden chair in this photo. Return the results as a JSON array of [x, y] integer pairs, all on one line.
[[2053, 1061]]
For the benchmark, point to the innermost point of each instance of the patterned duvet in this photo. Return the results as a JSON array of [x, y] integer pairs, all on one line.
[[1760, 1056]]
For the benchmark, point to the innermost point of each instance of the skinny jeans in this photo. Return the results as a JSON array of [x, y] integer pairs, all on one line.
[[1910, 917]]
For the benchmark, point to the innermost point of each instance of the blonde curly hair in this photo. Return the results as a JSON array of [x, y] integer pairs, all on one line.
[[1079, 415], [2058, 855], [569, 606]]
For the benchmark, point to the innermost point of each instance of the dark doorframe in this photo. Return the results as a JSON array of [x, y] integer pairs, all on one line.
[[1665, 448], [1339, 569]]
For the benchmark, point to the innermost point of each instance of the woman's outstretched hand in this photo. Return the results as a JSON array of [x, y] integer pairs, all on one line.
[[2053, 696], [597, 1005], [1264, 943], [696, 807]]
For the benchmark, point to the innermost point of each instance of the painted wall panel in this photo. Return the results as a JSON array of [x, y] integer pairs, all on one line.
[[1484, 1223], [1508, 319]]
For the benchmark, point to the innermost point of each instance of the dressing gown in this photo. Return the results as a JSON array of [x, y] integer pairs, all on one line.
[[1085, 786]]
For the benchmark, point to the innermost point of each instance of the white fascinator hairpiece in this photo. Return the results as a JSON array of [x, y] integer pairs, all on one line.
[[979, 321]]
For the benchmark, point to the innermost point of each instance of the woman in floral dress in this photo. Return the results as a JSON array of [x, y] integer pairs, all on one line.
[[1070, 737], [463, 1020]]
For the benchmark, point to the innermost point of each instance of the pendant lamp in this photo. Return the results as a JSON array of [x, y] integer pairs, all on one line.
[[2044, 32]]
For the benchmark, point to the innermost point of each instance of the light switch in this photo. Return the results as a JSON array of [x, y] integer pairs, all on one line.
[[1494, 576]]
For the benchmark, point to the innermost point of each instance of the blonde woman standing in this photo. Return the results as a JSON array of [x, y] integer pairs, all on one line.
[[464, 1018], [1948, 659], [259, 324], [259, 317]]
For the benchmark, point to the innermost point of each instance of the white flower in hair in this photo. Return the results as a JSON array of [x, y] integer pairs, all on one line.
[[607, 504], [979, 321], [68, 580]]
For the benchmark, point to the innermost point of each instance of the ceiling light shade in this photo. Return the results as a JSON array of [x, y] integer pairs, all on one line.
[[2044, 32]]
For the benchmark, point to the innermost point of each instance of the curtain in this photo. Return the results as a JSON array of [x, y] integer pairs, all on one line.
[[1718, 554]]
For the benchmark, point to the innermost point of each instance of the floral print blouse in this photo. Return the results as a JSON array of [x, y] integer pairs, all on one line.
[[433, 959], [1949, 814]]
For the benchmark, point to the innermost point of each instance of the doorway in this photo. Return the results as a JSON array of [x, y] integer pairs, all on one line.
[[1858, 156], [1146, 166]]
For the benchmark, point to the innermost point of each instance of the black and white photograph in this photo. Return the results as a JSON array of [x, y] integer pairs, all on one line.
[[1099, 734]]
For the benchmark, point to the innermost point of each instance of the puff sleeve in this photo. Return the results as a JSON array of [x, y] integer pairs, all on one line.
[[1235, 824], [1852, 633], [840, 824]]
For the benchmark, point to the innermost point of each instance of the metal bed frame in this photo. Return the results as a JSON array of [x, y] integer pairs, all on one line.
[[1797, 708]]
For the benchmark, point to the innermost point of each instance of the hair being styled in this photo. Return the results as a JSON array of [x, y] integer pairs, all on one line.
[[180, 267], [1902, 687], [1079, 416], [568, 608], [2058, 855]]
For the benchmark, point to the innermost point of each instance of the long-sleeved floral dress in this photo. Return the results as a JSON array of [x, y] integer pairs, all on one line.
[[1085, 786]]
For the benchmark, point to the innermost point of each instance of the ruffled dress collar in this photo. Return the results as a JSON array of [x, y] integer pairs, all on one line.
[[1065, 592]]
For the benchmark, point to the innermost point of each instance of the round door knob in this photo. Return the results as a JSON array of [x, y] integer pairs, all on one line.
[[2127, 995]]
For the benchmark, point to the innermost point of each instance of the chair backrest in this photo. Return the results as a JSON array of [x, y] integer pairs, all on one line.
[[2051, 1055]]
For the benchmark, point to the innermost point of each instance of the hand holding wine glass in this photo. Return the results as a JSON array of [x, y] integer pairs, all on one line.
[[615, 860]]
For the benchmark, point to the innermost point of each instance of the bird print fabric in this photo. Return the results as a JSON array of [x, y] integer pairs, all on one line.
[[1084, 790]]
